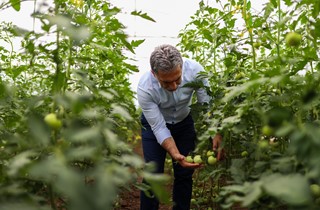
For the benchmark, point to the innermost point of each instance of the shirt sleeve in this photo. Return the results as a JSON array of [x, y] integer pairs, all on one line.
[[153, 115]]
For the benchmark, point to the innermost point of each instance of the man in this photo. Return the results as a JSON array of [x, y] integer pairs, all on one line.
[[167, 125]]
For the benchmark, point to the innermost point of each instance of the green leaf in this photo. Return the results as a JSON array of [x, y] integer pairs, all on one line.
[[248, 5], [17, 71], [85, 134], [268, 9], [292, 189], [121, 111], [131, 67], [274, 3], [158, 184], [16, 4], [123, 38], [82, 152], [207, 35], [39, 131], [237, 90], [131, 160], [18, 31], [136, 43], [20, 161], [195, 84], [143, 15], [253, 192], [61, 21], [231, 120], [237, 170]]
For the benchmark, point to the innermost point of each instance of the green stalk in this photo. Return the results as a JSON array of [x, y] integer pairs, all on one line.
[[278, 33], [254, 63], [278, 39], [249, 29], [314, 42], [69, 64], [214, 59], [52, 201], [8, 40], [34, 11]]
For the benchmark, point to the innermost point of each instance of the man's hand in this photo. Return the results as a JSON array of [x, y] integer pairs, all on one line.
[[172, 149], [217, 146], [186, 164]]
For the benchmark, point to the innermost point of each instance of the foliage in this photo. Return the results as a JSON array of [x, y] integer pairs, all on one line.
[[74, 72], [265, 102]]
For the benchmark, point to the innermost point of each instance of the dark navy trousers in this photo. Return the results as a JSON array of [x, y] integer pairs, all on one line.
[[184, 136]]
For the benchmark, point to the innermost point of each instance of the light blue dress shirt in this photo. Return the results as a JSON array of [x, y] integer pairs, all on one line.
[[160, 106]]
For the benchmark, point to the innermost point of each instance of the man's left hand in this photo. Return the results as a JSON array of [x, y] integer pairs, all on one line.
[[186, 164], [217, 147]]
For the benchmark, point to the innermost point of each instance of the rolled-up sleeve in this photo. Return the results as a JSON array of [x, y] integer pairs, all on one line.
[[153, 115]]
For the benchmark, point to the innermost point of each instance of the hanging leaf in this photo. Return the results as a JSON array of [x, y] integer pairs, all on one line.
[[292, 189], [136, 43], [16, 4], [143, 15], [158, 185], [253, 193]]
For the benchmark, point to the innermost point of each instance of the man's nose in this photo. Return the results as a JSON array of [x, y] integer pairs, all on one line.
[[173, 86]]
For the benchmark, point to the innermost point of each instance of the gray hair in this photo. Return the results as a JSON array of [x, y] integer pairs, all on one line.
[[165, 58]]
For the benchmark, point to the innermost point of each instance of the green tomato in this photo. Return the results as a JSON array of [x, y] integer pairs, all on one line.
[[189, 159], [263, 144], [239, 75], [197, 159], [267, 130], [52, 121], [315, 189], [293, 39], [256, 44], [210, 153], [212, 160], [169, 161], [244, 154]]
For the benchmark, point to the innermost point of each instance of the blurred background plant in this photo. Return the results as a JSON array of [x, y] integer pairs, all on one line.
[[264, 85], [68, 121]]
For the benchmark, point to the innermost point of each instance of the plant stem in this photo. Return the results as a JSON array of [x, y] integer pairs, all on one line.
[[11, 46], [278, 33], [214, 60], [69, 64], [34, 11], [52, 201], [254, 65], [249, 29]]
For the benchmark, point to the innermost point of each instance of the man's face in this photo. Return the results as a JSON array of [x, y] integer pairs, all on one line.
[[169, 80]]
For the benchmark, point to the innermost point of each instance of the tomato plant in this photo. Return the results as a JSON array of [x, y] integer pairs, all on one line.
[[265, 102], [67, 110]]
